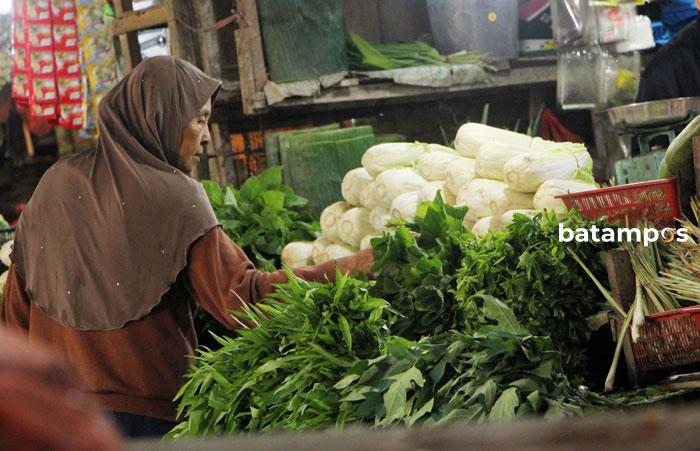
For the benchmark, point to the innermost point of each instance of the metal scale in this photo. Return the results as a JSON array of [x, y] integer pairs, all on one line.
[[640, 127]]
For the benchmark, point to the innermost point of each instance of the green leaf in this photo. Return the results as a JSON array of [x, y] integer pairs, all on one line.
[[461, 415], [504, 316], [345, 329], [535, 400], [214, 193], [544, 370], [358, 394], [346, 381], [485, 394], [270, 365], [420, 413], [504, 408], [557, 410], [395, 396], [230, 197], [526, 384], [273, 200]]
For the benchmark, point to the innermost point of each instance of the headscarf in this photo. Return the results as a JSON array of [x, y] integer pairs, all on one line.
[[107, 231]]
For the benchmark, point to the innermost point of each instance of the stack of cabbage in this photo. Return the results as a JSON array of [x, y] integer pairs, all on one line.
[[496, 173], [514, 173], [393, 180]]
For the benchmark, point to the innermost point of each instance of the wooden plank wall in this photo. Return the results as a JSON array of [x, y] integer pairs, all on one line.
[[403, 20], [387, 20]]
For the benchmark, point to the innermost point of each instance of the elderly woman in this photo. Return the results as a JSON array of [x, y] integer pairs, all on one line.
[[118, 244]]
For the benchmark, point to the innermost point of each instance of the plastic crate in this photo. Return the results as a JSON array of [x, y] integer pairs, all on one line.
[[638, 169], [668, 341], [655, 202]]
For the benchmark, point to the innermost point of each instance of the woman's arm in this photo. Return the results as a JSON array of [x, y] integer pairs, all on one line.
[[15, 304], [222, 278]]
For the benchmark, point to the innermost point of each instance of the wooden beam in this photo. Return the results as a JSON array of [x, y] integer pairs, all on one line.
[[622, 284], [251, 63], [142, 19], [28, 141], [208, 42], [621, 277], [128, 42], [183, 39]]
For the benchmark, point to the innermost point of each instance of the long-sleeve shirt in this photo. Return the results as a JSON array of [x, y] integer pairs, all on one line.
[[139, 368]]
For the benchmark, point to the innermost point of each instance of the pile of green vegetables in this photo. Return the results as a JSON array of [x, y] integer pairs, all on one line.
[[262, 216], [365, 56], [434, 279], [451, 329], [532, 271]]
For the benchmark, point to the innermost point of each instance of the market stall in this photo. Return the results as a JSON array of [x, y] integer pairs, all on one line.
[[513, 280]]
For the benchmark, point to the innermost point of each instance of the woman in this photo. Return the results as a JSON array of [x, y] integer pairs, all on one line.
[[118, 243]]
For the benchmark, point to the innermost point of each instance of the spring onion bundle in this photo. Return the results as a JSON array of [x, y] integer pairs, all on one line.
[[683, 268], [651, 296]]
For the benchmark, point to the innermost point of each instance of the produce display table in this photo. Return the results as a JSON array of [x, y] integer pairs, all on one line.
[[654, 429]]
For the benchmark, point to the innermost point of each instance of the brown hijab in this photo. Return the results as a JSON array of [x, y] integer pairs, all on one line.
[[107, 231]]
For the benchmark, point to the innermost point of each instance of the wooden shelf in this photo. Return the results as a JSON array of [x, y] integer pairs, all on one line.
[[129, 21], [336, 98], [339, 98]]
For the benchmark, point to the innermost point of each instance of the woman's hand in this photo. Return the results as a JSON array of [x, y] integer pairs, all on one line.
[[360, 262]]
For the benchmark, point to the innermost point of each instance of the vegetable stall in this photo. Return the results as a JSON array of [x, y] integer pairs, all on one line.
[[476, 310]]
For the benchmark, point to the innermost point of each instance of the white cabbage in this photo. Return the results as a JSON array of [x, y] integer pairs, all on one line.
[[381, 157], [473, 135], [297, 254], [545, 197], [491, 158], [393, 182], [353, 184], [330, 219], [433, 165], [354, 225], [526, 172], [404, 206], [459, 174]]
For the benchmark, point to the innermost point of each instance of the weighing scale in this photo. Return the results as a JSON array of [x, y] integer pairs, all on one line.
[[640, 126]]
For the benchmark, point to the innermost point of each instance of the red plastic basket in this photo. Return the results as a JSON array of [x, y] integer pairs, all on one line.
[[668, 341], [655, 201]]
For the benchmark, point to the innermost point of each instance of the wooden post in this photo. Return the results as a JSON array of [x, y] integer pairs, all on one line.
[[28, 142], [128, 41], [685, 180], [696, 163], [251, 62], [205, 14], [621, 277], [622, 283], [183, 40], [215, 154]]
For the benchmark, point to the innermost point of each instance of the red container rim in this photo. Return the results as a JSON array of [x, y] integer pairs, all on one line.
[[695, 309], [612, 189]]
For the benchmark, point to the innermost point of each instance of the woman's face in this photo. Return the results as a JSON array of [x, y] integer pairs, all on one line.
[[194, 137]]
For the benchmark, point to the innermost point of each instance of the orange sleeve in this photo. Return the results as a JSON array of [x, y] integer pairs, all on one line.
[[15, 304], [222, 278]]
